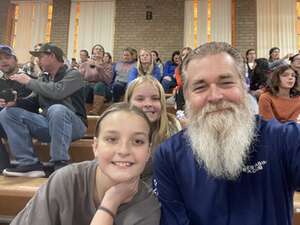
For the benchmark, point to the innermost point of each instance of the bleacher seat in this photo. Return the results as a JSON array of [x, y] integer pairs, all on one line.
[[297, 208], [79, 151], [15, 192]]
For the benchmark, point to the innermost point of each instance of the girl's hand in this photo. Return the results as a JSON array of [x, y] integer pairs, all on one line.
[[119, 194]]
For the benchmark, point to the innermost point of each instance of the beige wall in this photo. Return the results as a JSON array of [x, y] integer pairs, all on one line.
[[246, 25], [60, 23], [163, 33], [5, 21]]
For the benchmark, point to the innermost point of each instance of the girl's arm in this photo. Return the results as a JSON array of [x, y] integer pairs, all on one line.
[[113, 198]]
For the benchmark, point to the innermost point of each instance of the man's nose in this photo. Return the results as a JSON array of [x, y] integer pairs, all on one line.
[[215, 94]]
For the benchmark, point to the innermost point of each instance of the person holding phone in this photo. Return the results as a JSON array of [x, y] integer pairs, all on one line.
[[9, 91], [98, 76]]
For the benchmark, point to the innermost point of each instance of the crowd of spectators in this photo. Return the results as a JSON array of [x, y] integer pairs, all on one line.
[[222, 100]]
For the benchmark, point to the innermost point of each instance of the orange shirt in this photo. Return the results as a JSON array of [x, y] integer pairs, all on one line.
[[178, 78], [283, 109]]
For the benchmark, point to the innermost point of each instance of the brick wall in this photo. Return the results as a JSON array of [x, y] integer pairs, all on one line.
[[60, 23], [246, 25], [5, 20], [163, 33]]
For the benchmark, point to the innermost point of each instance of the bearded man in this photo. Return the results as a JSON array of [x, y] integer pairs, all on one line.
[[229, 166]]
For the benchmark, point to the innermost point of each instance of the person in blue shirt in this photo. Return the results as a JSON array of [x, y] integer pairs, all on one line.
[[145, 66], [229, 167], [168, 80]]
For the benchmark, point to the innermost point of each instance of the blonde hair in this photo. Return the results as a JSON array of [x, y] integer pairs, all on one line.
[[139, 66], [167, 124]]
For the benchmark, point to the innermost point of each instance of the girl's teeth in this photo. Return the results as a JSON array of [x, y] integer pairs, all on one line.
[[123, 164]]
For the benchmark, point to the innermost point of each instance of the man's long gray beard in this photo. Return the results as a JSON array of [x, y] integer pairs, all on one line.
[[220, 140]]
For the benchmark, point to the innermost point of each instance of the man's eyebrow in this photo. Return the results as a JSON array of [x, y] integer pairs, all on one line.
[[225, 76], [198, 82]]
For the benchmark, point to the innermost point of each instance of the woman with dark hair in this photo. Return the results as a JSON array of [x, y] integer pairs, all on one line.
[[295, 62], [98, 77], [274, 58], [250, 64], [168, 80], [107, 58], [157, 61], [281, 100]]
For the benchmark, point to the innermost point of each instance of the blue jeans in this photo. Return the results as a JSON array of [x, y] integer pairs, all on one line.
[[168, 85], [118, 90], [59, 128]]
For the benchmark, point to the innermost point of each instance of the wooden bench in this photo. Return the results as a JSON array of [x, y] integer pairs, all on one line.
[[80, 150], [297, 208], [92, 120], [15, 192], [89, 107]]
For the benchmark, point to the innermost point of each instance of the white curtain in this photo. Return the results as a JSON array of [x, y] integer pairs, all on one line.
[[31, 26], [202, 32], [221, 20], [276, 26], [220, 24], [188, 23], [96, 25]]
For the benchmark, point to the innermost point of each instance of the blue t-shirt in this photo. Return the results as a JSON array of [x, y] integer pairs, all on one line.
[[262, 195], [133, 73]]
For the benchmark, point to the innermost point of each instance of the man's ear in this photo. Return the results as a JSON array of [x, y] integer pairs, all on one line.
[[185, 92]]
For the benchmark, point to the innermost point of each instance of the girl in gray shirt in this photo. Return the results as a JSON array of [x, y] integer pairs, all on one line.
[[105, 191]]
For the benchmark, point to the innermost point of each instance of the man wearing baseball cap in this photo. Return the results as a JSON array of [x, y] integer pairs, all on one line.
[[8, 67], [59, 94]]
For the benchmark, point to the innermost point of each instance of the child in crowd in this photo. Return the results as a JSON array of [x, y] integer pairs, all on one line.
[[281, 100], [107, 58], [147, 93], [145, 66], [107, 190]]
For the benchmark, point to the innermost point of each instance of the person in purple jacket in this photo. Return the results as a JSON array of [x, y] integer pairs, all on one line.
[[229, 167]]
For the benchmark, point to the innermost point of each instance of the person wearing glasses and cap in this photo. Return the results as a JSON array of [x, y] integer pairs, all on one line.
[[59, 95], [8, 67]]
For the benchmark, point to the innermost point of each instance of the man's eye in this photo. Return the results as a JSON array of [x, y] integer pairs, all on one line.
[[199, 88], [110, 139], [227, 83]]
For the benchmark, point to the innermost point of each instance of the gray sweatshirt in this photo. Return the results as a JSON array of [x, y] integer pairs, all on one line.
[[68, 199]]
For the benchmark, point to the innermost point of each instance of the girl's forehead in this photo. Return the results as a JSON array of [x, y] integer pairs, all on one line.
[[146, 87], [117, 122]]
